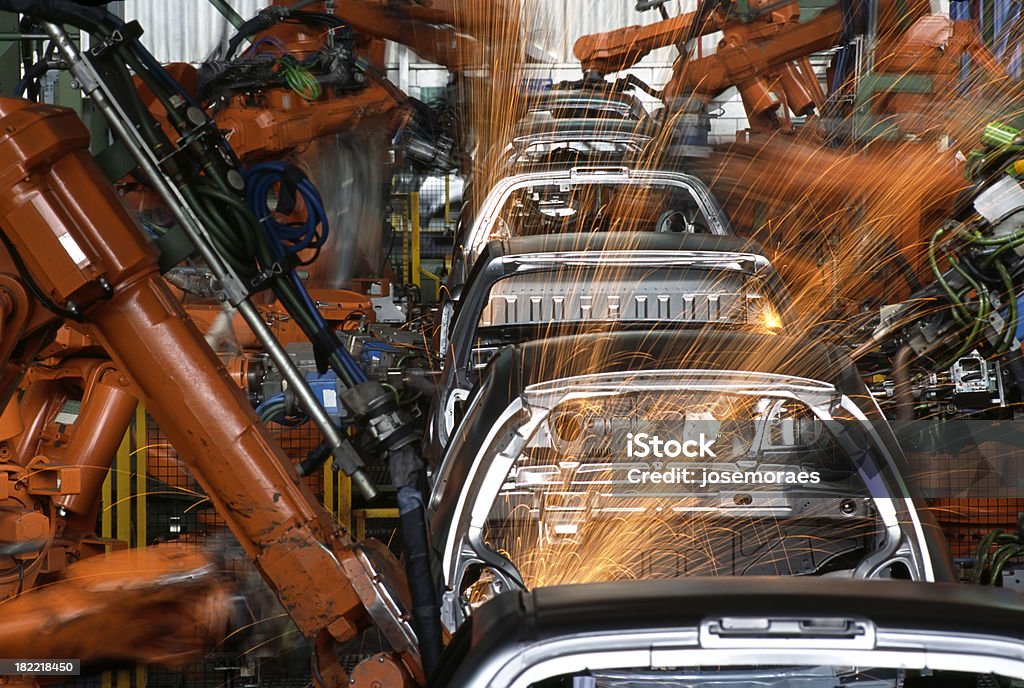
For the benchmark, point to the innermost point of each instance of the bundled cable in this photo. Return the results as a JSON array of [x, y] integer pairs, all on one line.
[[299, 79], [280, 183], [275, 409], [989, 563]]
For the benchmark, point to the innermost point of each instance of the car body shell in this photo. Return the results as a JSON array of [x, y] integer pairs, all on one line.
[[522, 384], [477, 222], [689, 277]]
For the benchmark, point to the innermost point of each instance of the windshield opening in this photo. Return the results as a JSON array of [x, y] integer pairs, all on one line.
[[661, 484], [571, 207]]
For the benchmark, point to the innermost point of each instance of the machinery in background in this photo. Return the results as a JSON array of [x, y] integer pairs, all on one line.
[[954, 346], [395, 358], [315, 69], [765, 53]]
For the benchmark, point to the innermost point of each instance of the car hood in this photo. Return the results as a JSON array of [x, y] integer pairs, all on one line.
[[734, 624]]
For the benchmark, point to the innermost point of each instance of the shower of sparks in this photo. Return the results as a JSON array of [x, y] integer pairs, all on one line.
[[846, 222]]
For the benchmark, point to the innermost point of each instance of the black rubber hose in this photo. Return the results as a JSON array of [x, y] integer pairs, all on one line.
[[261, 22], [406, 470], [903, 391], [32, 74], [268, 17], [314, 461], [426, 612], [90, 19]]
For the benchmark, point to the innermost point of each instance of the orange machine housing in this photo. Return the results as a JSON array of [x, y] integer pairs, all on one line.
[[70, 238]]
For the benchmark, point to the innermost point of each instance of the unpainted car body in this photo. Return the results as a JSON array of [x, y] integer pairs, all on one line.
[[573, 143], [534, 287], [562, 104], [596, 198], [540, 483]]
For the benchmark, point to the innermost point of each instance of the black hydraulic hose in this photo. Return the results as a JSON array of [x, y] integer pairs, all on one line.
[[261, 22], [26, 87], [91, 19], [903, 392], [270, 16], [317, 18], [426, 610], [27, 25], [314, 461]]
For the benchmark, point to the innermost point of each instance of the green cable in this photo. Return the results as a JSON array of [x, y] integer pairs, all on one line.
[[300, 80], [393, 391], [271, 412], [980, 318], [972, 337], [1002, 556], [981, 555], [1011, 322], [957, 304]]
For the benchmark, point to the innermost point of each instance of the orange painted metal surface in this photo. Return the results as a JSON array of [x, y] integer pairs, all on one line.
[[340, 308], [82, 249], [166, 605], [767, 59], [277, 121]]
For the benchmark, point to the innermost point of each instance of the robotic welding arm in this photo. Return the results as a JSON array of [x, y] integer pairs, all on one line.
[[615, 51], [75, 244], [71, 246]]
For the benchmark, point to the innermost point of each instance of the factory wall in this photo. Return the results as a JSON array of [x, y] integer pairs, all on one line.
[[185, 30]]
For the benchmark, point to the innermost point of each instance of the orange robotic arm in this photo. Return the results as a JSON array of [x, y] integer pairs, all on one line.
[[766, 59], [614, 51], [273, 121], [760, 57], [763, 64], [68, 237]]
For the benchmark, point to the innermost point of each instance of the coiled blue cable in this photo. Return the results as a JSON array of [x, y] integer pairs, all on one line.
[[261, 180], [284, 239]]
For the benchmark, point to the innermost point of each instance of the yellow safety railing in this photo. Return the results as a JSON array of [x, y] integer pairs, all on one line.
[[119, 495]]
